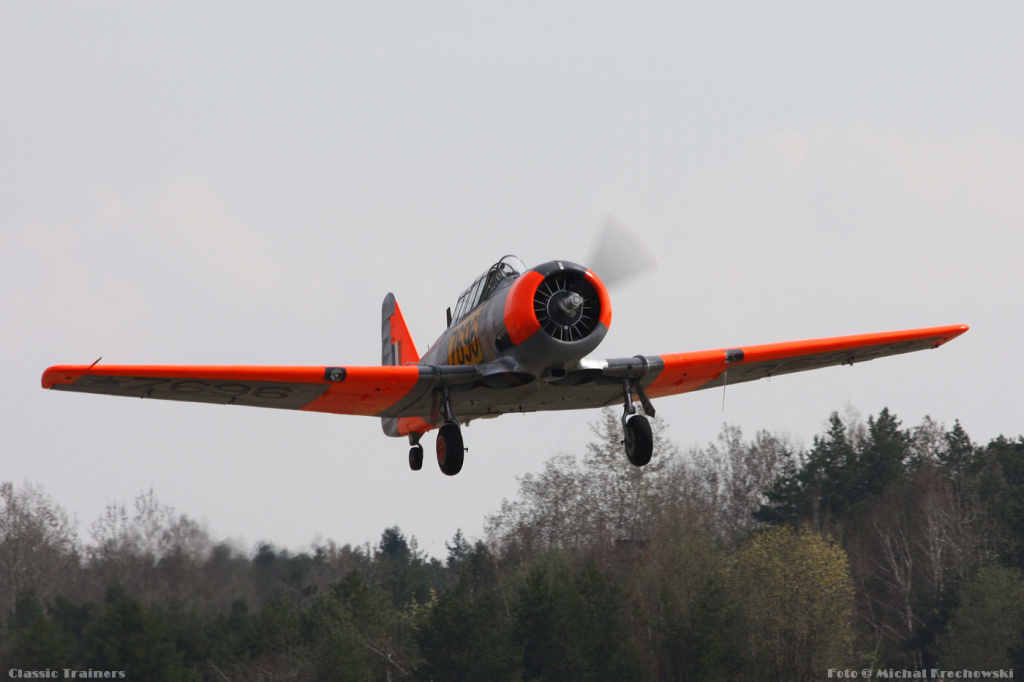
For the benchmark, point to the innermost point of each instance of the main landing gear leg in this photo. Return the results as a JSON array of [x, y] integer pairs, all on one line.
[[638, 439], [450, 450], [415, 452]]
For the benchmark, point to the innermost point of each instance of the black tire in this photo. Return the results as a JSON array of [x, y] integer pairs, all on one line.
[[639, 440], [450, 451], [416, 457]]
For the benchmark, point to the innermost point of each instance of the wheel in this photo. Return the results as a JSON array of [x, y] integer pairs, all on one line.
[[416, 457], [639, 440], [450, 451]]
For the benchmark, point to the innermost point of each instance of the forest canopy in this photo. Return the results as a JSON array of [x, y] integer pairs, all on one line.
[[881, 546]]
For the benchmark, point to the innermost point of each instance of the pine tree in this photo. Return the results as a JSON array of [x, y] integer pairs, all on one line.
[[884, 455]]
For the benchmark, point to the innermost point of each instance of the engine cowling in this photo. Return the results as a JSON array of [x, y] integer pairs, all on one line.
[[539, 322], [556, 313]]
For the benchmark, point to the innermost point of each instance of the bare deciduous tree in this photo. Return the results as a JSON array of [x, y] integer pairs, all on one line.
[[908, 547], [589, 504], [38, 544], [152, 551], [732, 475]]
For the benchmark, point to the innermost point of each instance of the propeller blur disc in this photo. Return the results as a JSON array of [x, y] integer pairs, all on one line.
[[619, 254]]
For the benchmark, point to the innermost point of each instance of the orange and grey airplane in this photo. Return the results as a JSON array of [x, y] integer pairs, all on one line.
[[518, 340]]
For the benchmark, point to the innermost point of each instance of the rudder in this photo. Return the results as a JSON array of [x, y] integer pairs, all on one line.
[[397, 347]]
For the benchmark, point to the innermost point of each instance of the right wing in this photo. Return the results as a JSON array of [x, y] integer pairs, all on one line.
[[339, 390]]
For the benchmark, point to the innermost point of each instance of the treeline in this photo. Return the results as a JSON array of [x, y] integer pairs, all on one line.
[[879, 546]]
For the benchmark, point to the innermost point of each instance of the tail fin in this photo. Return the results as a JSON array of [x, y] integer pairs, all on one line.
[[397, 347]]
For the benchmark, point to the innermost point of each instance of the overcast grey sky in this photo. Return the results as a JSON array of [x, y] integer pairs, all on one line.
[[242, 183]]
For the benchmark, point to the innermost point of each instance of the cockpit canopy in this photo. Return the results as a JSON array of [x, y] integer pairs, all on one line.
[[508, 268]]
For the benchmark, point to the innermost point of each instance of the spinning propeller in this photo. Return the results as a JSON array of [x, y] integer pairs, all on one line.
[[619, 254]]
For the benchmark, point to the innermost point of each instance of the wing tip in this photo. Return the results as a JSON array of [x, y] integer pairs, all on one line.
[[951, 333], [60, 374]]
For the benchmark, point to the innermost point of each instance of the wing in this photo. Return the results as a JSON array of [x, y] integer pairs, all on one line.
[[410, 393], [598, 384], [684, 372], [340, 390]]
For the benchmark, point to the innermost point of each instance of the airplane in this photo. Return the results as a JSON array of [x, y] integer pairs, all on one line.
[[518, 340]]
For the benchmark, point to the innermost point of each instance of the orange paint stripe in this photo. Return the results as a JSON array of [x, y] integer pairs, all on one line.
[[367, 390], [407, 425], [400, 334], [520, 318], [685, 372], [780, 351], [68, 374]]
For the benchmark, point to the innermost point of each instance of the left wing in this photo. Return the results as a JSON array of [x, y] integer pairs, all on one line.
[[601, 383], [684, 372]]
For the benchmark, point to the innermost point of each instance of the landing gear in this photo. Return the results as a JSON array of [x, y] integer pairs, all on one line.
[[639, 440], [636, 428], [416, 457], [450, 451], [415, 452]]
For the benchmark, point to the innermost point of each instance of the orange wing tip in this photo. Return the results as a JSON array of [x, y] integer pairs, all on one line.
[[953, 332], [61, 375]]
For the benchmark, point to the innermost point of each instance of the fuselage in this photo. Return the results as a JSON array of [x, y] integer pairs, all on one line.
[[520, 325]]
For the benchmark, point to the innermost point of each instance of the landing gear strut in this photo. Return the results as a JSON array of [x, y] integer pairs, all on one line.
[[636, 428]]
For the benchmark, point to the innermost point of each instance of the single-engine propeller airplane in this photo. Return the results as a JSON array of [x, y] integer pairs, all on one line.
[[518, 340]]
